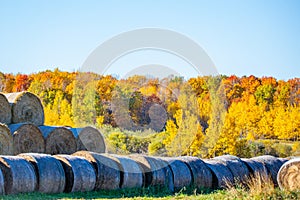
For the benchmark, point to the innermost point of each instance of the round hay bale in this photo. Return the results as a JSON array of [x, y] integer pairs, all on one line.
[[5, 110], [131, 172], [80, 174], [107, 170], [288, 177], [237, 167], [89, 139], [6, 140], [221, 175], [27, 138], [201, 174], [26, 107], [169, 174], [182, 176], [50, 173], [58, 140], [256, 168], [153, 170], [19, 175], [272, 164]]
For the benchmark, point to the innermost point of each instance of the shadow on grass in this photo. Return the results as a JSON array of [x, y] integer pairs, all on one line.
[[150, 192]]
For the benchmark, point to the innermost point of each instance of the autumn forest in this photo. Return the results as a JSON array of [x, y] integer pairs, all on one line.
[[202, 116]]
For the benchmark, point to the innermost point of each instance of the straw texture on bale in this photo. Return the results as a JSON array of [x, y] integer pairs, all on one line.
[[256, 168], [27, 138], [6, 140], [58, 140], [107, 170], [5, 110], [50, 172], [26, 107], [201, 174], [19, 175], [131, 172], [237, 167], [89, 139], [182, 176], [153, 169], [289, 175], [222, 176], [272, 164], [169, 174], [80, 174]]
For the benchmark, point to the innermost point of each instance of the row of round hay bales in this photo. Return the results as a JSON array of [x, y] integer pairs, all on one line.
[[26, 138], [178, 172], [87, 171], [83, 171], [228, 171]]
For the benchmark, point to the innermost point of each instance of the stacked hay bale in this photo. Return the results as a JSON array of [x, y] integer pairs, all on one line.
[[5, 110], [23, 113], [58, 140], [6, 140], [27, 138], [26, 107], [89, 139]]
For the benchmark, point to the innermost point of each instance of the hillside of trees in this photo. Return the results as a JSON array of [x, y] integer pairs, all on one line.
[[202, 116]]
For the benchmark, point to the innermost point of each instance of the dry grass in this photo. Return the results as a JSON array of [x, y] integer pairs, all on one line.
[[258, 187]]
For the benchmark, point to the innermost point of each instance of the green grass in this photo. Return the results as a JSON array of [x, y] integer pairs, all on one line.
[[155, 194]]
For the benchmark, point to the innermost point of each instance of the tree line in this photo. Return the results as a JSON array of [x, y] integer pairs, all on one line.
[[202, 116]]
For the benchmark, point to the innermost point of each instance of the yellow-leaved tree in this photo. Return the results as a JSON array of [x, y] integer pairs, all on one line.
[[287, 123], [186, 136]]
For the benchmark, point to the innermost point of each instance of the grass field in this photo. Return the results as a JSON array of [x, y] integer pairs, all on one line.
[[155, 194]]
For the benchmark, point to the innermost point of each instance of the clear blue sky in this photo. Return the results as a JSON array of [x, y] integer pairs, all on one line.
[[259, 37]]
